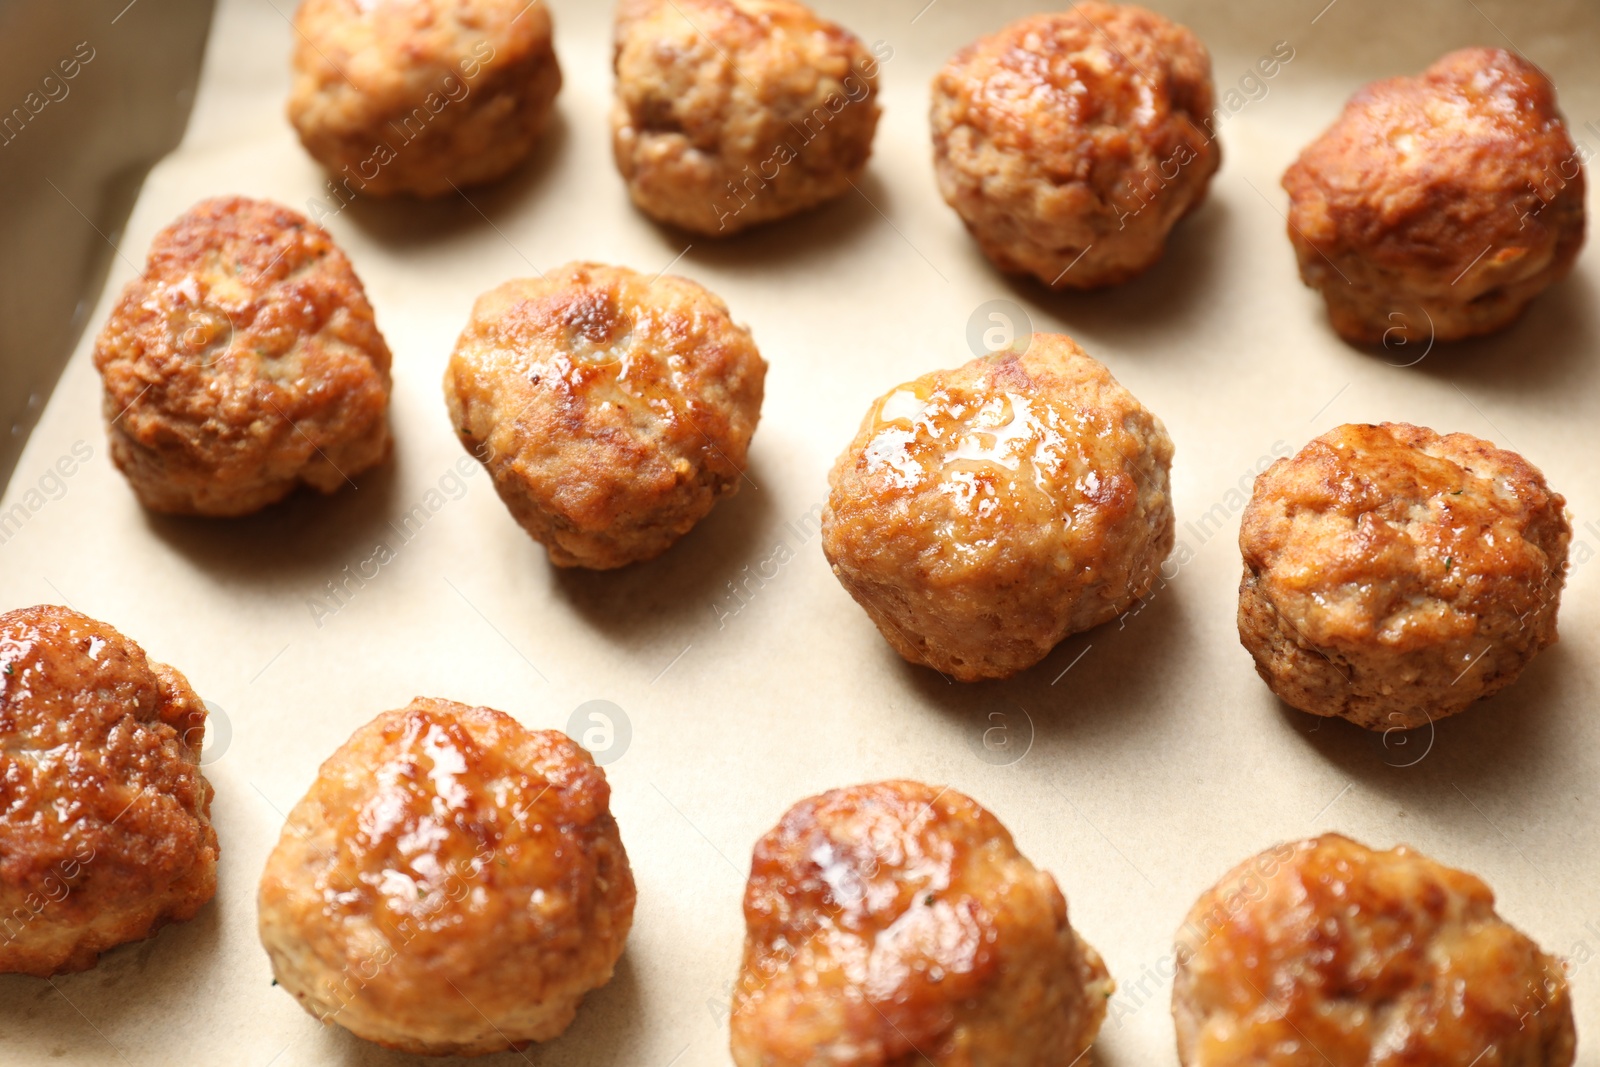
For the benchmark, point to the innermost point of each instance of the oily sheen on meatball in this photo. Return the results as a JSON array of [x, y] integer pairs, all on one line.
[[1394, 575], [245, 362], [1439, 206], [1327, 952], [612, 410], [451, 884], [1072, 142], [105, 816], [897, 924], [983, 514]]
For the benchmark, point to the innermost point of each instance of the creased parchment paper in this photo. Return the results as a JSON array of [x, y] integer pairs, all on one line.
[[1140, 761]]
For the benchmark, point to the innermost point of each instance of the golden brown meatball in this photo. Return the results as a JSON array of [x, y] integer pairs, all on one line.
[[452, 883], [731, 113], [1324, 952], [243, 363], [612, 410], [895, 924], [105, 818], [1072, 142], [421, 96], [1457, 194], [1392, 576], [983, 514]]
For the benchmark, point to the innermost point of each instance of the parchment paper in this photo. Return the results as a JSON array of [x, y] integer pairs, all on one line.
[[1143, 759]]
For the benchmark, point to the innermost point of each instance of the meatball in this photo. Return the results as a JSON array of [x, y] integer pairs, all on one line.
[[421, 96], [105, 817], [731, 113], [983, 514], [894, 923], [1438, 207], [1392, 576], [243, 363], [1326, 952], [612, 410], [1072, 142], [452, 883]]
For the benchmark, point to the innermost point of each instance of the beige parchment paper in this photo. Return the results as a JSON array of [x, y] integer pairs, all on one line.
[[1141, 760]]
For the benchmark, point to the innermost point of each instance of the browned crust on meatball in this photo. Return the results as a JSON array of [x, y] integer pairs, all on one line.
[[895, 924], [1439, 206], [244, 363], [1392, 576], [612, 410], [421, 96], [451, 884], [105, 817], [1072, 142], [1326, 952], [983, 514], [731, 113]]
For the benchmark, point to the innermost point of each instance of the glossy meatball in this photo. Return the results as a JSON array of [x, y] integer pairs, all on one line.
[[1392, 576], [421, 96], [612, 410], [1072, 142], [105, 818], [451, 884], [894, 924], [983, 514], [731, 113], [1439, 206], [242, 364], [1326, 952]]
